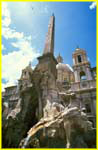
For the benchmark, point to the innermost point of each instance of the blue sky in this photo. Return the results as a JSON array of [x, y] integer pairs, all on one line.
[[24, 30]]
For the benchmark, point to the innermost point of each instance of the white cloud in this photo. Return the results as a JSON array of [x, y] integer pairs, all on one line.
[[5, 11], [93, 5], [14, 62], [9, 33], [6, 21], [3, 47]]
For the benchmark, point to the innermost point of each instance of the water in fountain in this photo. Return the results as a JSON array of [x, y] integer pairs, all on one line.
[[26, 141]]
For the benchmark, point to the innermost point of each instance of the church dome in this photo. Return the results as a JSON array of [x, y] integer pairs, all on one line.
[[66, 67]]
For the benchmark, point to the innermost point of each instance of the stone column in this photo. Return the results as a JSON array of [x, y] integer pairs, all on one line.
[[73, 61], [76, 76], [88, 73]]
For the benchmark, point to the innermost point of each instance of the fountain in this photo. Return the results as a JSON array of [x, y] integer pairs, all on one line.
[[69, 116]]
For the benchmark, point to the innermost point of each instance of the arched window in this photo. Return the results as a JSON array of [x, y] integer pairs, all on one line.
[[82, 76], [79, 58]]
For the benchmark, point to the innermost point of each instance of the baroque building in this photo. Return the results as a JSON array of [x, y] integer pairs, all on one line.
[[51, 83]]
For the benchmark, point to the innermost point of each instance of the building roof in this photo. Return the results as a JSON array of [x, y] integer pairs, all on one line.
[[66, 67], [11, 87]]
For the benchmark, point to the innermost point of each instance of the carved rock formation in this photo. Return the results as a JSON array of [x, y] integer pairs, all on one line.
[[18, 121], [58, 118]]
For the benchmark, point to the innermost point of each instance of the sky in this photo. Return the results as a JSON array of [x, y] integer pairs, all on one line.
[[24, 28]]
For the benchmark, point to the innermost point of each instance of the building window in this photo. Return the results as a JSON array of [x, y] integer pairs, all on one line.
[[88, 108], [82, 76], [79, 58]]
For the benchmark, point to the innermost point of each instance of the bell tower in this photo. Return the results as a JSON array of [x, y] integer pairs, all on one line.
[[81, 65]]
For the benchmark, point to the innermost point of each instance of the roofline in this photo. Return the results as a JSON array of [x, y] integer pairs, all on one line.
[[11, 86]]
